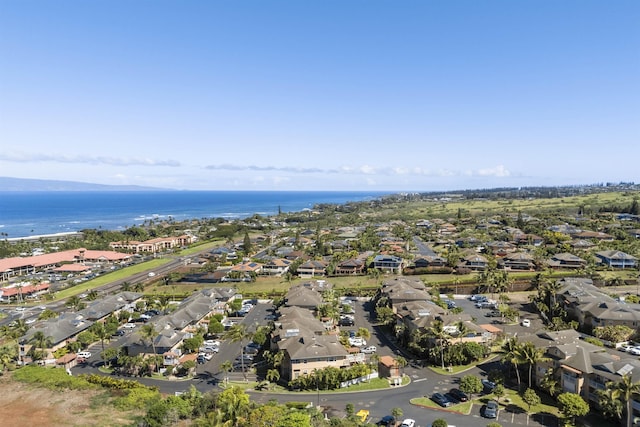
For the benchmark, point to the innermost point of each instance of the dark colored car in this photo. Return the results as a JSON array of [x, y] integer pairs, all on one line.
[[119, 333], [491, 409], [493, 313], [387, 420], [346, 322], [488, 386], [441, 400], [458, 395]]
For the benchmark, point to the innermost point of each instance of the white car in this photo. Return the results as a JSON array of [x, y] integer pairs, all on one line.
[[129, 325], [634, 350], [526, 323], [625, 347], [212, 343], [369, 350], [84, 354], [408, 422], [30, 321], [357, 341]]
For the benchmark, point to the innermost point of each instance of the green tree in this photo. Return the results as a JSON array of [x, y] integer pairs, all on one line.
[[529, 354], [531, 398], [247, 245], [215, 327], [510, 354], [350, 409], [149, 334], [294, 419], [239, 333], [234, 403], [471, 384], [626, 389], [40, 343], [226, 367], [397, 413], [439, 422], [572, 405], [47, 314], [265, 415], [385, 315], [440, 337], [273, 375], [499, 392]]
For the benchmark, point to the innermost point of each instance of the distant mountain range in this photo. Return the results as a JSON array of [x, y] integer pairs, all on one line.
[[21, 184]]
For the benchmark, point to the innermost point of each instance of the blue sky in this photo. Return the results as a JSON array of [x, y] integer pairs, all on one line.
[[321, 95]]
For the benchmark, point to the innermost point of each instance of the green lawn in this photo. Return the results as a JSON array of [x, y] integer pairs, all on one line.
[[110, 277], [511, 399]]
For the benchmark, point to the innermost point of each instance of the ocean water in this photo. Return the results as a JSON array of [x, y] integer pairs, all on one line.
[[24, 214]]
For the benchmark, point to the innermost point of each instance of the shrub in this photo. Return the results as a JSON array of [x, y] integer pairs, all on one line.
[[136, 398], [52, 378]]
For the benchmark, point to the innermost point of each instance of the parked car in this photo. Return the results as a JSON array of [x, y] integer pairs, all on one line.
[[369, 350], [634, 350], [357, 342], [212, 343], [119, 333], [625, 347], [478, 298], [526, 323], [347, 321], [491, 409], [493, 313], [129, 325], [84, 354], [488, 385], [387, 420], [408, 422], [458, 395], [441, 400]]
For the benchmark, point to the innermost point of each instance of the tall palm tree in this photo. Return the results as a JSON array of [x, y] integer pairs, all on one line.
[[239, 333], [510, 354], [440, 336], [627, 389], [103, 334], [149, 333], [530, 355]]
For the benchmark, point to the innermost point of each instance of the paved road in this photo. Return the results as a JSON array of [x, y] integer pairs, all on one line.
[[423, 248]]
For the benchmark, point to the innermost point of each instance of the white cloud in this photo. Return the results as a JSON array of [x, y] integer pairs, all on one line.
[[498, 171], [93, 160]]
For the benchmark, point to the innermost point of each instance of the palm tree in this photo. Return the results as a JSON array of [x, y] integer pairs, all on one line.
[[41, 342], [529, 354], [401, 362], [149, 333], [273, 376], [7, 355], [627, 389], [510, 354], [101, 332], [364, 333], [126, 287], [439, 335], [463, 329], [239, 333], [609, 401], [226, 367], [74, 303]]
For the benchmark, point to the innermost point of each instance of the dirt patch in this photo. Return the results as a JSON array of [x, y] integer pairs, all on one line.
[[23, 404]]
